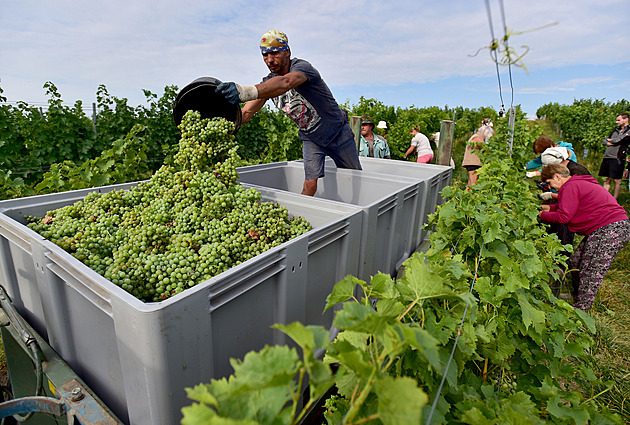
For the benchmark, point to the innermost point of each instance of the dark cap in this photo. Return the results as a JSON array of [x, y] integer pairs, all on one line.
[[366, 120]]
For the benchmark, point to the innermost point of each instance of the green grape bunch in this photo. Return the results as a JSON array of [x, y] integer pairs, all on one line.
[[204, 142], [190, 222]]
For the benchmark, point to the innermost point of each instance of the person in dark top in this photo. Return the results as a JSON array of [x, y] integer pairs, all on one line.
[[616, 147], [298, 90]]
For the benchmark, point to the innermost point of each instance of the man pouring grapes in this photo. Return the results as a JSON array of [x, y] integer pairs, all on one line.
[[298, 90]]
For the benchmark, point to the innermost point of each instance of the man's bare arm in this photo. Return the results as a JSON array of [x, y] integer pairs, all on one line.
[[280, 84], [251, 108], [273, 87]]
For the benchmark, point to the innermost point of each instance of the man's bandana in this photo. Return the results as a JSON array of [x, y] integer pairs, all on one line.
[[274, 41]]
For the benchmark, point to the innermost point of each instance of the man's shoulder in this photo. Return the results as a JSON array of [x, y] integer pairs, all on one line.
[[305, 67], [299, 63]]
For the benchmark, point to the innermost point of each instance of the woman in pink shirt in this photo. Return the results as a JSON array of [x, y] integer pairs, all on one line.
[[592, 211]]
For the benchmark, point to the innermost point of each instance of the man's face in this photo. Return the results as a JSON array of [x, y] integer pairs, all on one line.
[[366, 129], [621, 121], [277, 62]]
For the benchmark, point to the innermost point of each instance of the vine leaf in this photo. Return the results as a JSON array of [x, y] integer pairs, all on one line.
[[400, 401], [531, 315], [342, 291]]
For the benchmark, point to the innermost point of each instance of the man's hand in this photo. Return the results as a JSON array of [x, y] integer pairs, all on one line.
[[626, 173], [531, 174], [235, 93]]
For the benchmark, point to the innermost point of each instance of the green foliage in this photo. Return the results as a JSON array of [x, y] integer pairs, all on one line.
[[471, 333], [13, 188], [266, 385], [270, 136], [283, 142], [586, 122], [122, 163], [32, 139], [115, 118], [34, 142]]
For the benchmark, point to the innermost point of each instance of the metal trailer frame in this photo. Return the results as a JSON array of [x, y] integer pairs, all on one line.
[[43, 388]]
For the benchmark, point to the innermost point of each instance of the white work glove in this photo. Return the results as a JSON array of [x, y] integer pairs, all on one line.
[[531, 174], [546, 196], [235, 93]]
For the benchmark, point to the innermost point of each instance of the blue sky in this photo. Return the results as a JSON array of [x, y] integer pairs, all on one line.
[[404, 53]]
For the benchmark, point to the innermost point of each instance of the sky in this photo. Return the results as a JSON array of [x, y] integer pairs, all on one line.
[[406, 53]]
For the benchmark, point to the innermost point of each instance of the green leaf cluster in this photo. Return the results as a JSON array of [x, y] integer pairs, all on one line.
[[270, 136], [586, 122], [471, 333], [61, 139], [125, 160]]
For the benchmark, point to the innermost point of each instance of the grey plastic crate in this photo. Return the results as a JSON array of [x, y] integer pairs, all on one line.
[[435, 178], [389, 203], [138, 357]]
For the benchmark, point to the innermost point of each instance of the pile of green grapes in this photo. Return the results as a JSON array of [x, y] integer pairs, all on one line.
[[188, 223]]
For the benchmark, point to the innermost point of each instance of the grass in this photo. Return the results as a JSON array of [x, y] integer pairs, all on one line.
[[611, 352]]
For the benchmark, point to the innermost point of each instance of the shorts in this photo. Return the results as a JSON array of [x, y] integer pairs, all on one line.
[[472, 167], [342, 149], [425, 159], [611, 168]]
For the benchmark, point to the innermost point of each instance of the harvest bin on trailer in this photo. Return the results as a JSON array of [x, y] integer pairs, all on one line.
[[138, 357], [395, 198], [434, 177]]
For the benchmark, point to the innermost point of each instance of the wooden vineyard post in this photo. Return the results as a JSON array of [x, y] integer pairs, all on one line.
[[355, 124], [445, 144]]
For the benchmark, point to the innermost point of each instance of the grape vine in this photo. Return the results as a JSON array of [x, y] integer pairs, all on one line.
[[470, 334]]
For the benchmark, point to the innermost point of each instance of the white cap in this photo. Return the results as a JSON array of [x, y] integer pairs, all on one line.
[[554, 155], [381, 124]]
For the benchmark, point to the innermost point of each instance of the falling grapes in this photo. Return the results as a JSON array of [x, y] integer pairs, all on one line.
[[188, 223]]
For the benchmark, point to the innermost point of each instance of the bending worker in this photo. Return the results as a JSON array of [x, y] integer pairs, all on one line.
[[297, 89], [590, 210]]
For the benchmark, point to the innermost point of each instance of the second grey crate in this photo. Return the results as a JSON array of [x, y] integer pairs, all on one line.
[[434, 178], [389, 203]]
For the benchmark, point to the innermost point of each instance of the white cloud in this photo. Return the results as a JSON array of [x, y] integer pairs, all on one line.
[[135, 45]]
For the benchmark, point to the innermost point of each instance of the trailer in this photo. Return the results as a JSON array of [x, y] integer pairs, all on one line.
[[43, 388], [132, 360]]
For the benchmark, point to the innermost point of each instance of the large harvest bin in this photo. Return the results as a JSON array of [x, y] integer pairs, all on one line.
[[389, 205], [138, 357], [435, 178]]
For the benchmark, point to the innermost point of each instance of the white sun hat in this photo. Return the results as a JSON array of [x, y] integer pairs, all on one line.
[[381, 124]]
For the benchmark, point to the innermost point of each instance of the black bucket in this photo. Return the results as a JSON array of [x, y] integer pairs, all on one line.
[[200, 95]]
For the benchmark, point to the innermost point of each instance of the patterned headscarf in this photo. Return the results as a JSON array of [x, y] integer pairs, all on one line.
[[274, 41]]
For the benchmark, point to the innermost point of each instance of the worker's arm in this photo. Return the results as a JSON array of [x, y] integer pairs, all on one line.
[[280, 84], [275, 86], [251, 108], [411, 149]]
